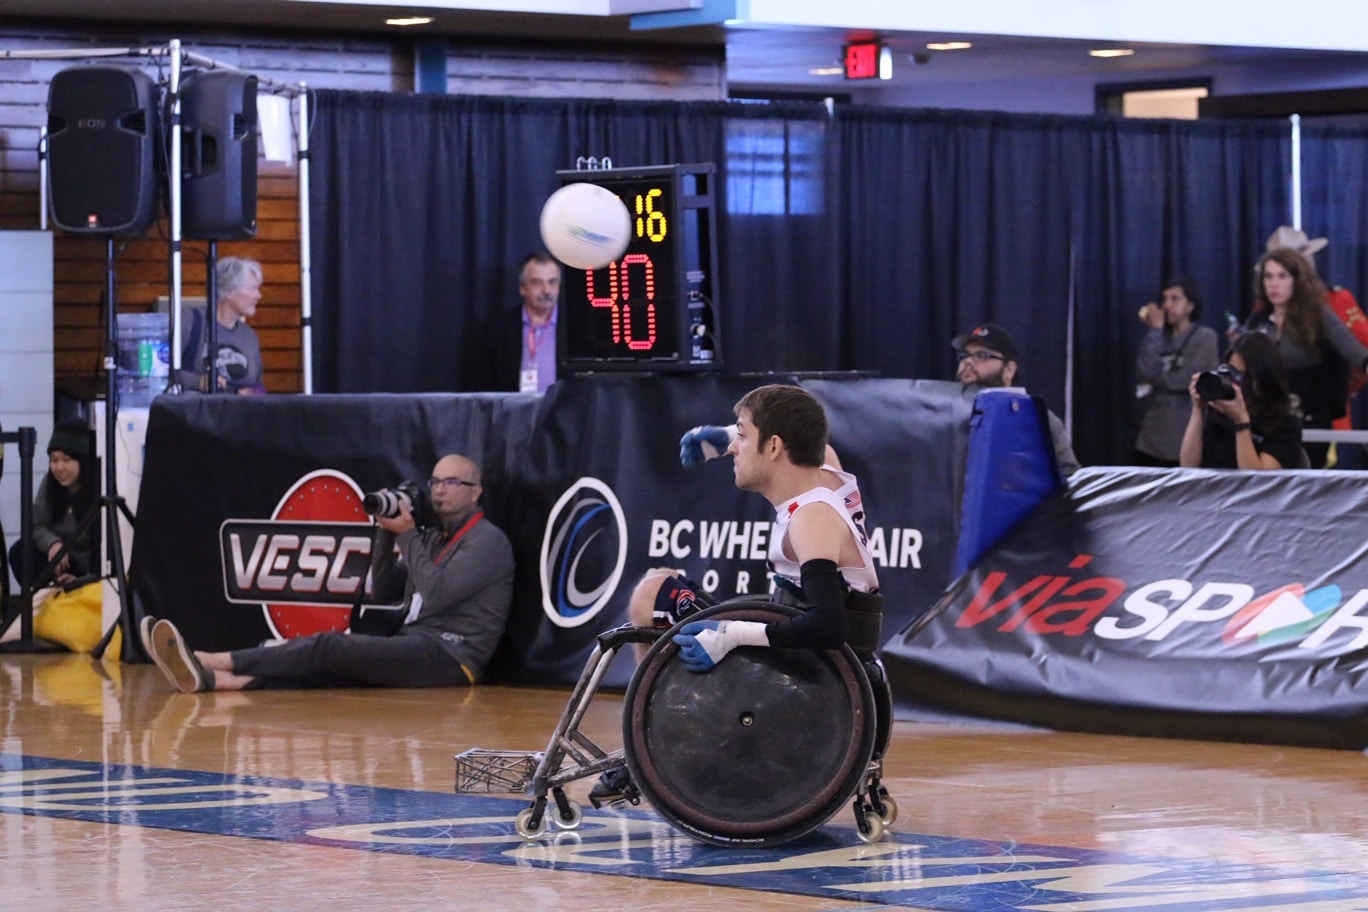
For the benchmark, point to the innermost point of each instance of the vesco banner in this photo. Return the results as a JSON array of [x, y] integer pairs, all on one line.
[[249, 520], [1186, 603]]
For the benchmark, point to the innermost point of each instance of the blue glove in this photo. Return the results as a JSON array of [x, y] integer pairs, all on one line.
[[704, 442], [702, 644]]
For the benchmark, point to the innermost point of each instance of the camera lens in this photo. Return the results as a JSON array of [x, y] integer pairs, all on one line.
[[1214, 385], [384, 503]]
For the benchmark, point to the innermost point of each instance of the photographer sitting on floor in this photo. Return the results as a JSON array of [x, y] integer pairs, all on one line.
[[455, 572]]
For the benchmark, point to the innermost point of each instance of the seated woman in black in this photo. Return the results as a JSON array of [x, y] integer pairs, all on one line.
[[1254, 428], [65, 495]]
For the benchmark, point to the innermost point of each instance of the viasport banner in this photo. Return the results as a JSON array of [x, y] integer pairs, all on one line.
[[1187, 603]]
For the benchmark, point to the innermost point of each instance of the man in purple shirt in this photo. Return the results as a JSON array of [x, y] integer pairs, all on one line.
[[539, 286], [515, 350]]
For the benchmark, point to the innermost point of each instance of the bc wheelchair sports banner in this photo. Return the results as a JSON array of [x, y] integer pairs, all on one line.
[[250, 523], [1200, 604]]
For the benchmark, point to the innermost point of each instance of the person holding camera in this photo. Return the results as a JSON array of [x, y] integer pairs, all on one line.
[[1172, 349], [454, 571], [1242, 414]]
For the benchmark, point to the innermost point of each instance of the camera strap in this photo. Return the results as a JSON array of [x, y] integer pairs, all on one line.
[[456, 536]]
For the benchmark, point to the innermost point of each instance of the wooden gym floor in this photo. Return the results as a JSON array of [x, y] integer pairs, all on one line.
[[116, 793]]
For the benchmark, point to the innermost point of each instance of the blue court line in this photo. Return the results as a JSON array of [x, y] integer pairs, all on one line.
[[913, 869]]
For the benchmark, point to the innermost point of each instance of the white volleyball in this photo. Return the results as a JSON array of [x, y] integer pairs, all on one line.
[[585, 226]]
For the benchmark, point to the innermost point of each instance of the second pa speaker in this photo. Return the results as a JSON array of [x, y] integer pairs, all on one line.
[[219, 155]]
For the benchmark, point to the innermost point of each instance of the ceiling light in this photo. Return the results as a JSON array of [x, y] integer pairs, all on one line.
[[949, 46], [826, 71], [1111, 52], [409, 20]]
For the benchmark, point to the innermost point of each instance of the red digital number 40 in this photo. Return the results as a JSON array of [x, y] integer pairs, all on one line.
[[623, 295]]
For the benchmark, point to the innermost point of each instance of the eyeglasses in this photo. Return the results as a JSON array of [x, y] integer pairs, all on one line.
[[436, 483], [980, 356]]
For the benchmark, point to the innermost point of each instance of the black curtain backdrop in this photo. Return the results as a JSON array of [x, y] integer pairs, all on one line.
[[860, 240], [1335, 202], [425, 205], [955, 218], [1157, 200]]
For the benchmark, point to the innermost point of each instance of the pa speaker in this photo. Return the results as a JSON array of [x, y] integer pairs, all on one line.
[[219, 155], [102, 144]]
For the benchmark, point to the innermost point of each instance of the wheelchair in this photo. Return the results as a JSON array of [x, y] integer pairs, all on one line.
[[761, 750]]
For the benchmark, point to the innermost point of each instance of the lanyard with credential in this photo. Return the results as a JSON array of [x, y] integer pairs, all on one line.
[[534, 338], [456, 536]]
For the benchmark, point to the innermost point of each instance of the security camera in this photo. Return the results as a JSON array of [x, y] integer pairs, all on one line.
[[921, 58]]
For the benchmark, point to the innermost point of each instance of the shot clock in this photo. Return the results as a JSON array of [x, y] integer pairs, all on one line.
[[655, 308]]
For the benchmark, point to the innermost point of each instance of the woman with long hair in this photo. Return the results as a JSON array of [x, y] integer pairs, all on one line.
[[1242, 414], [1292, 307], [65, 496]]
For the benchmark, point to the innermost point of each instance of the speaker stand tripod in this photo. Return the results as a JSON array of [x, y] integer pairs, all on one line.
[[110, 503]]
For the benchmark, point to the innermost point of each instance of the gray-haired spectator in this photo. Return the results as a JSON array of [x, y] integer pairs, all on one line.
[[237, 364]]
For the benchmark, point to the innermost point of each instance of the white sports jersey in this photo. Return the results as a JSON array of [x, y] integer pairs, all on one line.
[[845, 500]]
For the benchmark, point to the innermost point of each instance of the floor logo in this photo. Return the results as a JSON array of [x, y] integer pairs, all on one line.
[[306, 564], [583, 552]]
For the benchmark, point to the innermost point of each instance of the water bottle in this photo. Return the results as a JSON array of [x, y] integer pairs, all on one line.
[[144, 356]]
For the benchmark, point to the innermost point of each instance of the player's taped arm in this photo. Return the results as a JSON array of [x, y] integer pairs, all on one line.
[[824, 624]]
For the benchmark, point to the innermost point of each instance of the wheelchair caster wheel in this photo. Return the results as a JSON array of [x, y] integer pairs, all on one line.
[[886, 808], [523, 824], [568, 819], [870, 829]]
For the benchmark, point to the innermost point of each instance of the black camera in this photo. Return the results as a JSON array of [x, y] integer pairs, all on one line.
[[388, 502], [1219, 383]]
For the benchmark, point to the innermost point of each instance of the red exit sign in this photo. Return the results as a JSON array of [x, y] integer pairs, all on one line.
[[862, 59]]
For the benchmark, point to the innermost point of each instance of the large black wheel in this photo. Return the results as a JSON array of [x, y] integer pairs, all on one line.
[[762, 749]]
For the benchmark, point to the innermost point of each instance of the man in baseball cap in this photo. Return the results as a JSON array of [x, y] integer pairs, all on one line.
[[987, 358]]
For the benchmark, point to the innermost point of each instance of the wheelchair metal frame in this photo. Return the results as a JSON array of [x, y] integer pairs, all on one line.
[[571, 755]]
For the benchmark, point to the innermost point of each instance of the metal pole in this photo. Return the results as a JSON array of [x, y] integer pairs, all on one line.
[[211, 321], [28, 446], [305, 264], [173, 184], [1296, 171], [42, 178], [110, 501]]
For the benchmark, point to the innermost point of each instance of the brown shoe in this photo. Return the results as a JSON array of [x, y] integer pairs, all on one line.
[[177, 661]]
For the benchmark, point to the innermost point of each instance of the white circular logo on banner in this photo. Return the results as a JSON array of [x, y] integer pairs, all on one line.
[[583, 552]]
